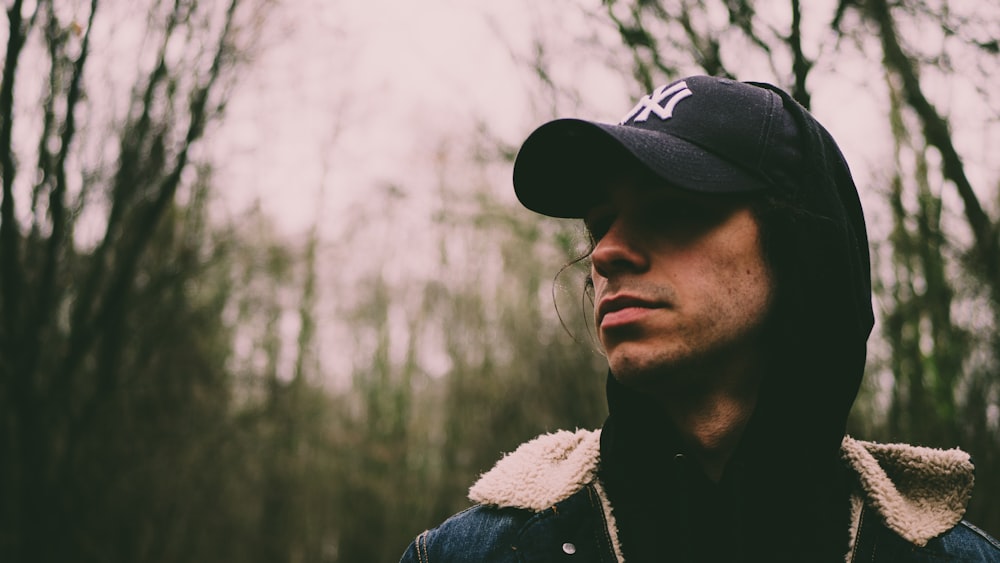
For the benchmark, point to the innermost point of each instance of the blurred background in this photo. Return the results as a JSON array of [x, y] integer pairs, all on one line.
[[266, 294]]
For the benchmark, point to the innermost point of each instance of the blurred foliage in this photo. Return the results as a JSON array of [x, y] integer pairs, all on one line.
[[163, 395], [427, 423]]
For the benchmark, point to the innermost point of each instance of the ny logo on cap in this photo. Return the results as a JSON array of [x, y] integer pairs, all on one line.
[[653, 103]]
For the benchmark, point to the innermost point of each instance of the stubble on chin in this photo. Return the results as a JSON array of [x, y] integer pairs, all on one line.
[[676, 368], [649, 372]]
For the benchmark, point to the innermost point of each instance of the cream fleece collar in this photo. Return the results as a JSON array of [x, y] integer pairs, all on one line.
[[919, 492], [542, 472]]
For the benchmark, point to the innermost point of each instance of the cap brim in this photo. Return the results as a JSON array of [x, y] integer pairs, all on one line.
[[564, 164]]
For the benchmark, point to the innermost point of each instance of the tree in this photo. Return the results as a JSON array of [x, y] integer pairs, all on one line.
[[457, 362], [113, 352]]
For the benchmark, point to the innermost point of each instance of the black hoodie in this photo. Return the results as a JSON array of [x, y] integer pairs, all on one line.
[[783, 496]]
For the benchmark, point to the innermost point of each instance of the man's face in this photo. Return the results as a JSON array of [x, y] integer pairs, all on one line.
[[681, 285]]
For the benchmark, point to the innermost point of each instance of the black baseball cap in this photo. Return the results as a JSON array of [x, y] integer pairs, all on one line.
[[701, 133]]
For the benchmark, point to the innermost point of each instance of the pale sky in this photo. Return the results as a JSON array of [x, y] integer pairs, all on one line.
[[362, 93], [367, 90]]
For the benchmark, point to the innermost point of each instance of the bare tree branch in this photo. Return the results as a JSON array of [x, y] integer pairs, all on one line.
[[128, 179], [636, 38], [800, 64], [115, 297], [58, 238], [703, 46], [11, 280], [938, 135]]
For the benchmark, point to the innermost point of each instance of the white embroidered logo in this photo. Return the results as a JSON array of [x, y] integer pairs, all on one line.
[[652, 103]]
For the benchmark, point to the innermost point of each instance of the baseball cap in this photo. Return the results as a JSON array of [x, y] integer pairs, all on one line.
[[702, 133]]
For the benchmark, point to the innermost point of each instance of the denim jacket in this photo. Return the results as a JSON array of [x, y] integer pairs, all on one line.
[[544, 502]]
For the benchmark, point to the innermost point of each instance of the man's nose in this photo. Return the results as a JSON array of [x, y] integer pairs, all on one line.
[[620, 249]]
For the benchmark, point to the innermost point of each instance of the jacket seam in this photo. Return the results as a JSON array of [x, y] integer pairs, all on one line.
[[861, 536], [596, 503], [607, 519], [981, 533], [422, 555]]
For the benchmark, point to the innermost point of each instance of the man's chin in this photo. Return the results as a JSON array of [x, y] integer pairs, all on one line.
[[638, 374], [653, 373]]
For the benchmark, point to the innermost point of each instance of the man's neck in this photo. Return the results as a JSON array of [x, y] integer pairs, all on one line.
[[711, 427], [710, 419]]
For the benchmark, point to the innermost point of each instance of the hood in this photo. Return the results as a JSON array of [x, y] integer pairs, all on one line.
[[814, 238], [816, 241]]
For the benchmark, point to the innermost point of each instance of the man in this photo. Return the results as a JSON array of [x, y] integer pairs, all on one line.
[[732, 294]]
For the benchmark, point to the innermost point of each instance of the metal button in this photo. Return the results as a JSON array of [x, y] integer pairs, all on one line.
[[569, 549]]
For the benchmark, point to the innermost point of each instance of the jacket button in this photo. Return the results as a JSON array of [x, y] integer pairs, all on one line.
[[569, 549]]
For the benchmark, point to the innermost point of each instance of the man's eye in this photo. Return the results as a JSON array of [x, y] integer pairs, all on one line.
[[682, 212], [597, 228]]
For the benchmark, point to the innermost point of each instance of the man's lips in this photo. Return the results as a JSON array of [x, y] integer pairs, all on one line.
[[623, 309]]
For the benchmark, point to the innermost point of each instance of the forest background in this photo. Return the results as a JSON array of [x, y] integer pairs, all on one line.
[[265, 294]]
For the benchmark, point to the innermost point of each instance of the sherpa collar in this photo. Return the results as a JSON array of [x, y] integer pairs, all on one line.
[[919, 492], [542, 472]]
